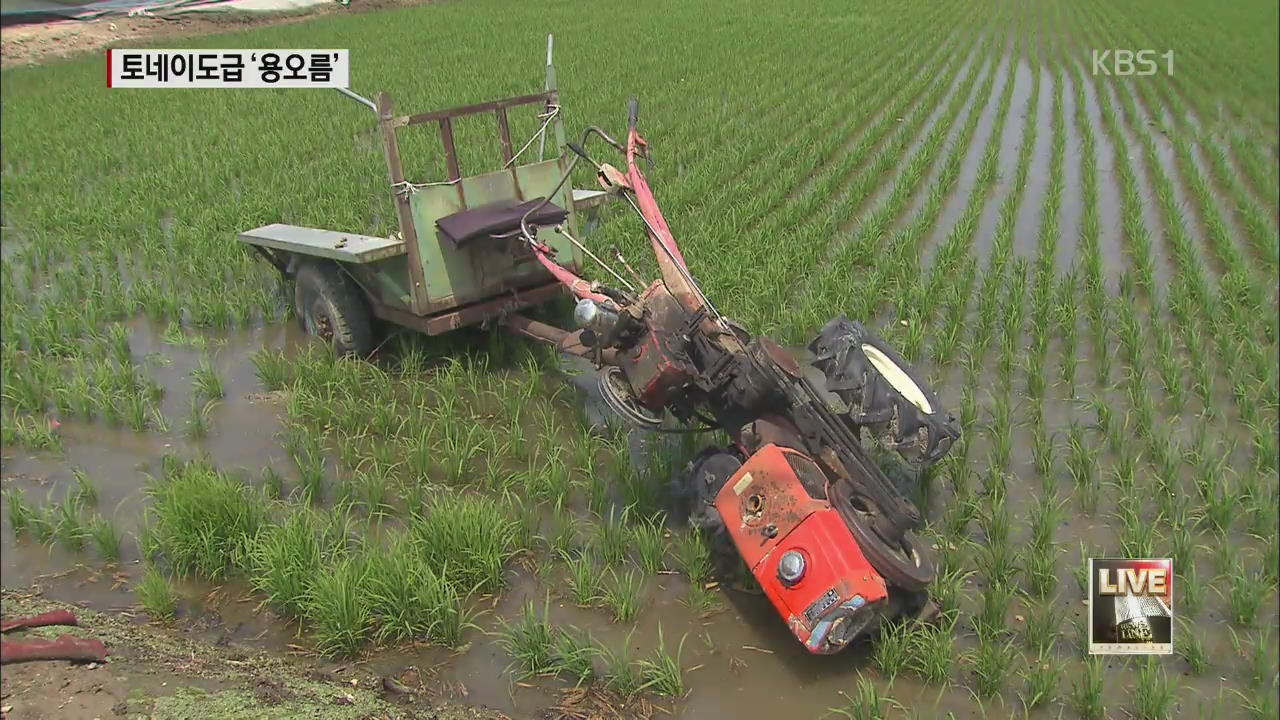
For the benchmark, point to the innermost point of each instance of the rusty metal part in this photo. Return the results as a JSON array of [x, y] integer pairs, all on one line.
[[56, 617], [395, 171], [469, 314], [567, 342], [66, 647]]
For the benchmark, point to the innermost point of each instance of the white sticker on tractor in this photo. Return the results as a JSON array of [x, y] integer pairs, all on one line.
[[742, 484]]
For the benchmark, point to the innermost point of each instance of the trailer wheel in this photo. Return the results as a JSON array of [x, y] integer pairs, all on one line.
[[883, 392], [333, 309]]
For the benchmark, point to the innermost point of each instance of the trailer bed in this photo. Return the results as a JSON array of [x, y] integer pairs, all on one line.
[[340, 246]]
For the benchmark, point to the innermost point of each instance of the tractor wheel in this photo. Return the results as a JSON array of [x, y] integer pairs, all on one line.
[[698, 486], [331, 307], [883, 392], [903, 563]]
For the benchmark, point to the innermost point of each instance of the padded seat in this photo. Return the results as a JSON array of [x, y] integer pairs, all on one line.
[[466, 226]]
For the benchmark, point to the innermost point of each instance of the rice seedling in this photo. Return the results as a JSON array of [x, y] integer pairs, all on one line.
[[1043, 621], [992, 660], [198, 419], [284, 559], [67, 524], [563, 536], [408, 598], [701, 600], [1153, 697], [574, 655], [21, 513], [623, 595], [272, 368], [106, 538], [867, 702], [1263, 705], [474, 536], [205, 380], [582, 579], [156, 594], [613, 537], [662, 673], [272, 482], [649, 539], [337, 610], [933, 651], [1192, 599], [1191, 649], [892, 651], [203, 520], [693, 556], [1043, 678], [84, 492], [1244, 595], [1086, 690], [36, 433], [621, 672]]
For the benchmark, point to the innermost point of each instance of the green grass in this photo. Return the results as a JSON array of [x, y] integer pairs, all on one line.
[[156, 594], [106, 538], [661, 673], [338, 613], [203, 520], [624, 594], [531, 642]]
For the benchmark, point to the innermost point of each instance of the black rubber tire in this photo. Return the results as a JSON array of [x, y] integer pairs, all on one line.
[[698, 486], [907, 566], [874, 403], [331, 307]]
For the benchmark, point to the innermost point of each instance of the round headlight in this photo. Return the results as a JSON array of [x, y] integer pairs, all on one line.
[[791, 567]]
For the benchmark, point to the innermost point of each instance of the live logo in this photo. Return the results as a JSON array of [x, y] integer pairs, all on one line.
[[1133, 581]]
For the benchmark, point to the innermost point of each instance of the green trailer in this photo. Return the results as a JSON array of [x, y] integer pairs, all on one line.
[[453, 262]]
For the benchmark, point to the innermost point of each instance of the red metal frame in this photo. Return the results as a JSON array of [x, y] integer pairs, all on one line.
[[767, 512]]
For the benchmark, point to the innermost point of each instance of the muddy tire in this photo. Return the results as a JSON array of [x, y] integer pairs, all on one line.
[[882, 392], [331, 307], [697, 486]]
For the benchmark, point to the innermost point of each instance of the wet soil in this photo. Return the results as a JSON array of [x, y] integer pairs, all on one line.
[[162, 672]]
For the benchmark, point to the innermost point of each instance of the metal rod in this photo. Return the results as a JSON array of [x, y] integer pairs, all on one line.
[[561, 229], [546, 86], [360, 99], [684, 272]]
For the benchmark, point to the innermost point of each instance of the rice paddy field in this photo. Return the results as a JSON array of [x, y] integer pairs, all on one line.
[[1084, 264]]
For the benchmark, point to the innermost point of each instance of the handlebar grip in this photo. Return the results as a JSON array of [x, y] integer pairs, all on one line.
[[633, 112], [577, 149]]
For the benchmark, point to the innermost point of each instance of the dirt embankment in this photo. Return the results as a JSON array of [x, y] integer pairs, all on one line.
[[162, 673], [40, 42]]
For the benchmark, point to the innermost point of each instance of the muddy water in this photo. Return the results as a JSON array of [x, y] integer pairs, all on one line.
[[1161, 252], [118, 461], [881, 194], [1110, 220], [954, 205], [1006, 159], [1026, 226], [1069, 215], [921, 195]]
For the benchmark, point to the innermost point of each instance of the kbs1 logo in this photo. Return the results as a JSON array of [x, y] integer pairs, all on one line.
[[1130, 62], [1130, 606]]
